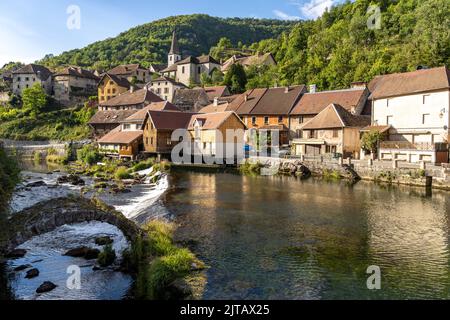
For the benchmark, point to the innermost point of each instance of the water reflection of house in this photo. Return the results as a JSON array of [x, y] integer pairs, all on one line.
[[333, 131], [416, 107]]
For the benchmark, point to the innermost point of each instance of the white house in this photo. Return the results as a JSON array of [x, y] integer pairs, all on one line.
[[165, 87], [189, 69], [415, 107], [27, 76]]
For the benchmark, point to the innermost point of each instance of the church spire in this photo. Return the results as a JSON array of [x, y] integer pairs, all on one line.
[[174, 49]]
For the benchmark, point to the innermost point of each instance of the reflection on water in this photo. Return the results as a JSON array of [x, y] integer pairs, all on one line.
[[280, 238]]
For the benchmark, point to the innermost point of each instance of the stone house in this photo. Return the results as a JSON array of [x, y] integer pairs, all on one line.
[[334, 131], [416, 108], [247, 61], [191, 100], [74, 85], [165, 87], [28, 75], [132, 73]]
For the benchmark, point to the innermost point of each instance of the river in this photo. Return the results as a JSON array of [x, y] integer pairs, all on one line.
[[281, 238], [277, 238]]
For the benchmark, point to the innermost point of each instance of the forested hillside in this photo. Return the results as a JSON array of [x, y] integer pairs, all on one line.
[[150, 43], [339, 48]]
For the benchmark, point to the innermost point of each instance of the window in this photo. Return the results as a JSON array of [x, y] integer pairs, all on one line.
[[426, 99], [335, 133], [27, 79], [204, 145], [146, 141], [109, 90], [425, 118], [18, 78], [266, 120], [253, 120], [34, 79], [389, 120], [300, 120], [158, 91], [126, 127], [280, 119], [166, 90], [182, 70], [314, 134], [113, 90], [199, 69], [169, 142], [387, 102], [170, 58], [151, 141]]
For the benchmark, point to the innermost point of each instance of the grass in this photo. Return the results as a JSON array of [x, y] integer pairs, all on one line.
[[158, 262], [251, 169], [143, 165], [122, 173], [331, 174]]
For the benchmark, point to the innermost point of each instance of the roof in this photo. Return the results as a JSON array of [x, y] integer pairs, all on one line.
[[380, 129], [191, 60], [132, 98], [190, 96], [216, 92], [170, 120], [42, 72], [140, 115], [167, 79], [77, 72], [212, 108], [246, 61], [125, 69], [314, 103], [110, 116], [122, 82], [273, 101], [211, 121], [409, 83], [117, 136], [174, 48], [336, 116]]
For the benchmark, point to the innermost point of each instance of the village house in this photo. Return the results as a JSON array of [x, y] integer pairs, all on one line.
[[165, 87], [134, 73], [191, 100], [124, 142], [27, 76], [247, 61], [74, 85], [110, 86], [268, 109], [188, 70], [216, 106], [414, 107], [104, 121], [311, 104], [334, 131], [131, 100], [211, 134], [158, 128], [217, 92]]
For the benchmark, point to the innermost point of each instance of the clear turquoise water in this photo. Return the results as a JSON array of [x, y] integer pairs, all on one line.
[[280, 238]]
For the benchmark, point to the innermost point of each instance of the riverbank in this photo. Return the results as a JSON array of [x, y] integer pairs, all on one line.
[[174, 263], [396, 173]]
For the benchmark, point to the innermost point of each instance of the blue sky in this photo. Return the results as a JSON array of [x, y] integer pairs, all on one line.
[[29, 29]]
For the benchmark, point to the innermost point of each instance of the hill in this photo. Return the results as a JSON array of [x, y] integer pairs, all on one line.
[[339, 48], [149, 43]]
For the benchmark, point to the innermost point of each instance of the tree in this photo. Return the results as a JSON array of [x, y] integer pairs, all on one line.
[[205, 80], [236, 79], [216, 77], [34, 99], [370, 141]]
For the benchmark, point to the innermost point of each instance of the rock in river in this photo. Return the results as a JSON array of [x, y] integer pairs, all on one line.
[[16, 253], [47, 286], [36, 184], [22, 267], [103, 241], [91, 254], [71, 179], [83, 252], [33, 273]]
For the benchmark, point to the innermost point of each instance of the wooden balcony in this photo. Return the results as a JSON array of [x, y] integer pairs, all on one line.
[[420, 146]]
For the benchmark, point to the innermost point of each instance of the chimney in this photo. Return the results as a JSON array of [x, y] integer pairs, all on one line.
[[245, 97], [216, 102], [313, 88], [359, 85], [353, 110], [131, 89], [287, 89]]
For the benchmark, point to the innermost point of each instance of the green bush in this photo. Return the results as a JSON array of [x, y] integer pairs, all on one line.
[[122, 173], [89, 155], [107, 256], [143, 165], [9, 177]]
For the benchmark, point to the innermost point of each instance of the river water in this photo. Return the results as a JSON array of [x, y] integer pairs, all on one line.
[[272, 238], [281, 238]]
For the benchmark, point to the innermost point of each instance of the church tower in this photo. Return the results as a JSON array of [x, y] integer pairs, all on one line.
[[174, 53]]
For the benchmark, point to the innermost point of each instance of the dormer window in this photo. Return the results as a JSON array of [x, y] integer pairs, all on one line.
[[126, 127]]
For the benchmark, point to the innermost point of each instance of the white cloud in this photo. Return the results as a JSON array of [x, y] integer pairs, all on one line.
[[284, 16], [314, 8]]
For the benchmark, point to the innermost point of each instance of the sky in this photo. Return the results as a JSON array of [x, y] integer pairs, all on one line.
[[30, 29]]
